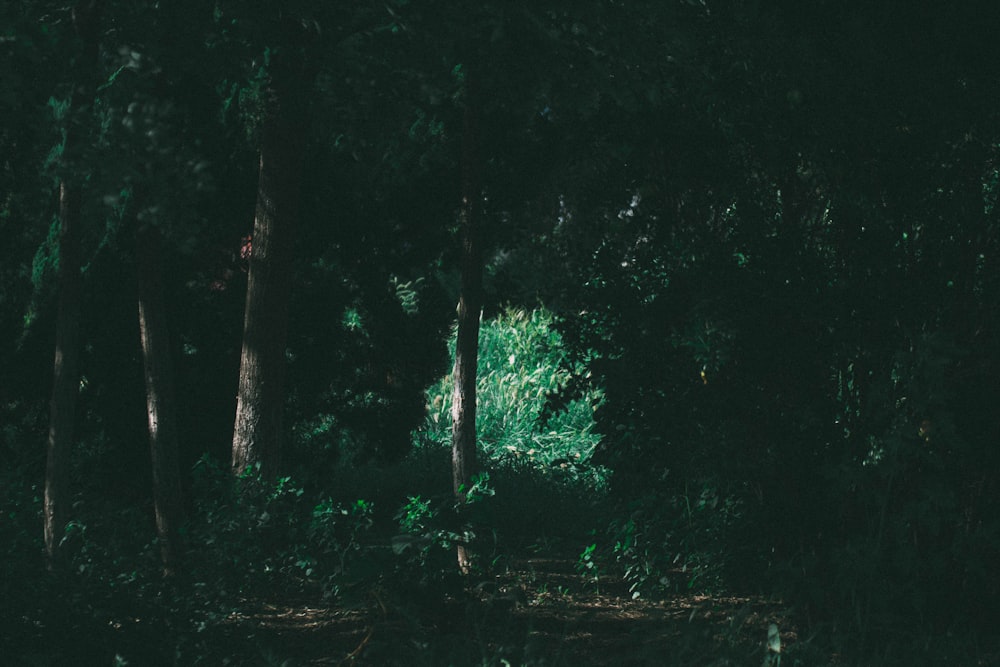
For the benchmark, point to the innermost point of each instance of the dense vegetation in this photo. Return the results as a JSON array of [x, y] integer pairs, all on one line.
[[729, 273]]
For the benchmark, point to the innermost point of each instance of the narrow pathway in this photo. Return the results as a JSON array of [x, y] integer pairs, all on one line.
[[539, 612]]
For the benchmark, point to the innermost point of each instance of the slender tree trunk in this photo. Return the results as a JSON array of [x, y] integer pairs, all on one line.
[[161, 408], [463, 409], [258, 432], [66, 374]]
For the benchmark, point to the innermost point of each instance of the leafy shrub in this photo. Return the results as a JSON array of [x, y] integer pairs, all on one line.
[[660, 545], [521, 366], [337, 538], [267, 533], [248, 528], [431, 529]]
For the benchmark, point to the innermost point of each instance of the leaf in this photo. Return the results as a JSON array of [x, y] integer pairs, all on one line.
[[402, 542], [773, 639]]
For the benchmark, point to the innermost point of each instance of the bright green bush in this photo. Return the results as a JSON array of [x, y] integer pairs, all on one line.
[[521, 365]]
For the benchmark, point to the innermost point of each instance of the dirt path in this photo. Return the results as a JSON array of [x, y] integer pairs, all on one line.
[[600, 624], [539, 612]]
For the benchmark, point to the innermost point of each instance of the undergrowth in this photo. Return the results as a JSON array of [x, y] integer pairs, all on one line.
[[521, 367], [376, 543]]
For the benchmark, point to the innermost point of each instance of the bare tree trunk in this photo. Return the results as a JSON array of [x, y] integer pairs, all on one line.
[[66, 374], [463, 407], [258, 431], [161, 408]]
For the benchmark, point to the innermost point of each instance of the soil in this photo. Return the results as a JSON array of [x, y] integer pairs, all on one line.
[[540, 611]]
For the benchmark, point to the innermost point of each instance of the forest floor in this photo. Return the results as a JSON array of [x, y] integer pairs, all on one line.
[[540, 611]]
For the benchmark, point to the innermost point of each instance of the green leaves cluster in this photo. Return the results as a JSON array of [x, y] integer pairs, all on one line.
[[522, 365]]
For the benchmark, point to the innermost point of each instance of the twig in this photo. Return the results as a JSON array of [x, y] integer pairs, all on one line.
[[352, 656]]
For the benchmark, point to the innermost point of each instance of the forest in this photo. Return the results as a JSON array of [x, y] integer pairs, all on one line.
[[498, 333]]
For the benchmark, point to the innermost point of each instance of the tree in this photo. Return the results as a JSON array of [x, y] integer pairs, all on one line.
[[154, 155], [798, 279], [258, 432], [463, 447], [521, 57], [65, 376], [161, 408], [376, 173]]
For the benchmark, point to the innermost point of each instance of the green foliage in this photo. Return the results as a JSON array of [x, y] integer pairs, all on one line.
[[425, 545], [337, 539], [913, 538], [766, 237], [587, 566], [662, 546], [521, 366], [253, 95], [43, 270], [250, 523]]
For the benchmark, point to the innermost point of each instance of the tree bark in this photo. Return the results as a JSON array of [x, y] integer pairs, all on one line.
[[258, 431], [161, 408], [66, 374], [463, 407]]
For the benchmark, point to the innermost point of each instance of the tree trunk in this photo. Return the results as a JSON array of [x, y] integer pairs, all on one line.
[[66, 375], [257, 435], [463, 407], [160, 404]]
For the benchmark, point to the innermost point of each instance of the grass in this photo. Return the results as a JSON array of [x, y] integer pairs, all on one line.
[[521, 365]]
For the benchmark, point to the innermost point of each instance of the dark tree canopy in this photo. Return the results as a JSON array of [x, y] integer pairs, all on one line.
[[765, 236]]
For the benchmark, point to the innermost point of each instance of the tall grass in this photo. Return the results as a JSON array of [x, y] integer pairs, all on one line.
[[520, 366]]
